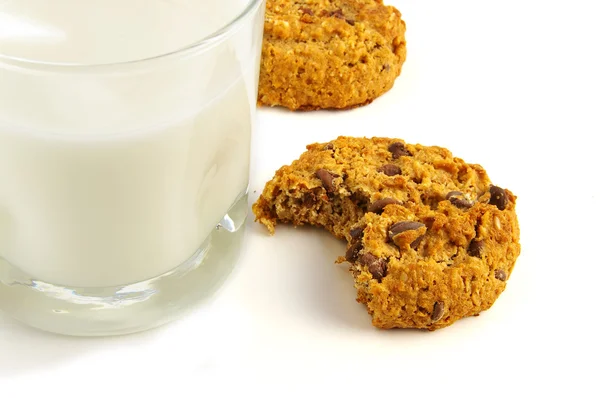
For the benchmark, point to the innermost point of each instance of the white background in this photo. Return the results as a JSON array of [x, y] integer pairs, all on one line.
[[513, 85]]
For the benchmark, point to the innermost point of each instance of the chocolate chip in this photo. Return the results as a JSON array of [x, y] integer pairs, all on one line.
[[500, 275], [353, 250], [378, 206], [306, 10], [475, 248], [309, 199], [390, 170], [417, 242], [403, 226], [378, 269], [498, 197], [438, 311], [385, 67], [328, 147], [461, 203], [376, 266], [357, 233], [458, 199], [398, 149], [326, 178], [367, 259], [339, 14]]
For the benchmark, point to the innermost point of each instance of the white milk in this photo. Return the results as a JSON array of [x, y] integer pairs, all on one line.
[[118, 175]]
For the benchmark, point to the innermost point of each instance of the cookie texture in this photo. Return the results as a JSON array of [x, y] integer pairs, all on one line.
[[329, 54], [430, 239]]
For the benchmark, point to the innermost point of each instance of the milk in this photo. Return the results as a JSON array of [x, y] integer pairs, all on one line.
[[117, 174], [107, 31]]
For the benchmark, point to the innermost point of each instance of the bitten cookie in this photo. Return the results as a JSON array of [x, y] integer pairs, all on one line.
[[430, 239], [333, 54]]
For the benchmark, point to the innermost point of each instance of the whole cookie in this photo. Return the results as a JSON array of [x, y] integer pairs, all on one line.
[[430, 239], [329, 54]]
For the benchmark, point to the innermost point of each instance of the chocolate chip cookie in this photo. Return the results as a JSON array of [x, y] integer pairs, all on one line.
[[336, 54], [430, 239]]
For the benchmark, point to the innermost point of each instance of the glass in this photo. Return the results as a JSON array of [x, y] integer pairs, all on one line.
[[124, 157]]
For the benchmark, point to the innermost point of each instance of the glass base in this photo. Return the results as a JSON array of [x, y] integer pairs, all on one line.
[[131, 308]]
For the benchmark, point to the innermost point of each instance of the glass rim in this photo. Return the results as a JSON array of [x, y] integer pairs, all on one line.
[[202, 44]]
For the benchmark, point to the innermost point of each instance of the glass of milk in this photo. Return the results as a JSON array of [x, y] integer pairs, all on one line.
[[125, 131]]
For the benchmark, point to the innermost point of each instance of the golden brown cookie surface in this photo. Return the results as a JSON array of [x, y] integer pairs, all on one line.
[[329, 54], [418, 267], [430, 239]]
